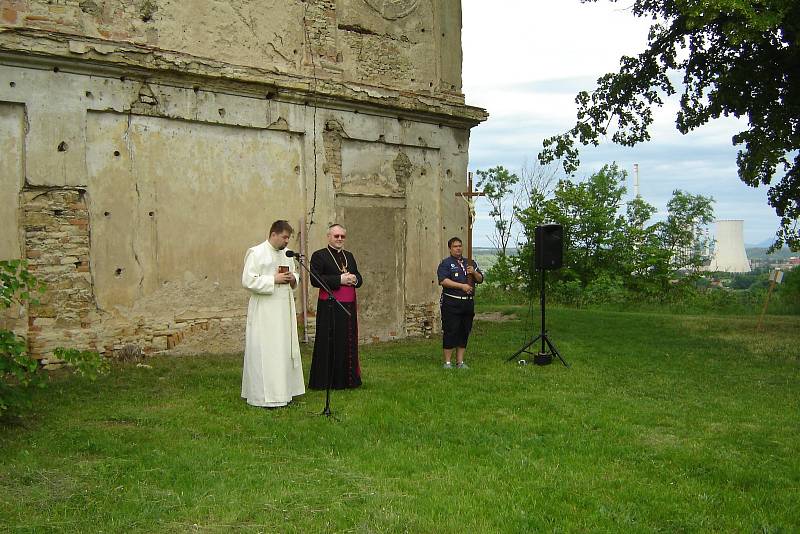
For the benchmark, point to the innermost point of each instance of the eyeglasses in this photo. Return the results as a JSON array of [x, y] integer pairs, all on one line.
[[338, 236]]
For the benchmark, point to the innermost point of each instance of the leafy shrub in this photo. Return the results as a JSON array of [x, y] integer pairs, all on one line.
[[569, 292], [787, 295], [503, 273], [86, 363], [606, 289], [19, 373]]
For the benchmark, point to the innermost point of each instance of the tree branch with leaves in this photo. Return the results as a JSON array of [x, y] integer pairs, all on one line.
[[738, 58]]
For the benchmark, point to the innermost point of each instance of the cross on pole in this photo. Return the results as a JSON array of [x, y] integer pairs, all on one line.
[[468, 197]]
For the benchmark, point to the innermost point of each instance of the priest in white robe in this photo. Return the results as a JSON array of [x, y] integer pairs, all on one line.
[[273, 372]]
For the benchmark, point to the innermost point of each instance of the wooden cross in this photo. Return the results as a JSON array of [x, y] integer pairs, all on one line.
[[468, 197]]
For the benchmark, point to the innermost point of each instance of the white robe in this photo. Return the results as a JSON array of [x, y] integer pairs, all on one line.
[[273, 372]]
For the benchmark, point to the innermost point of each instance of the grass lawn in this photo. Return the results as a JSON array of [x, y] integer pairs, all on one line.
[[663, 423]]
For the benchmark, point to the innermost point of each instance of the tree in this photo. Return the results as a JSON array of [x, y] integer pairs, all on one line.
[[739, 58], [512, 197], [535, 180], [593, 227], [790, 288], [536, 187], [498, 186], [608, 249], [645, 261], [682, 233]]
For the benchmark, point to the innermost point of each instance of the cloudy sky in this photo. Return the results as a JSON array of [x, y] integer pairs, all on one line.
[[524, 62]]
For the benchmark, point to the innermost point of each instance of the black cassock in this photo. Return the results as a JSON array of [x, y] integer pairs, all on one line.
[[327, 264]]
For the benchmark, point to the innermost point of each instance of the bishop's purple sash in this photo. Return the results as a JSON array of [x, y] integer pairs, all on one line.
[[343, 294]]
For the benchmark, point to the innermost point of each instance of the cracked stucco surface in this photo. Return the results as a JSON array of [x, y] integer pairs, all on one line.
[[148, 144]]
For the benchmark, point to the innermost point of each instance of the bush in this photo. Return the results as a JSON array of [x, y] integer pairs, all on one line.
[[86, 363], [19, 373], [606, 289], [511, 281], [503, 274], [492, 294], [569, 292], [743, 281], [786, 299]]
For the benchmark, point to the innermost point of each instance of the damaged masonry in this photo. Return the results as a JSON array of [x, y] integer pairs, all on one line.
[[147, 144]]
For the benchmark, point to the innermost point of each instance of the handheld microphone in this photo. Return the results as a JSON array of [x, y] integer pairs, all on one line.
[[293, 254]]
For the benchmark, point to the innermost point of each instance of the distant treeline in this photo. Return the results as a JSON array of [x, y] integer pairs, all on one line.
[[753, 253]]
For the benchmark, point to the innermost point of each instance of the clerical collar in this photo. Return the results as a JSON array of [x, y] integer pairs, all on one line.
[[339, 250]]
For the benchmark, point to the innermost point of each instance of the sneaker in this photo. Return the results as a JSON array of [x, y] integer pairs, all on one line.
[[462, 365], [447, 365]]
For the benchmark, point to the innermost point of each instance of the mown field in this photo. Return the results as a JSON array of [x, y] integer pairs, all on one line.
[[662, 423]]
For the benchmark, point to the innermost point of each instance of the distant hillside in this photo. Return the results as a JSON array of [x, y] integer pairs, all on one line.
[[760, 253], [512, 251], [487, 256], [764, 243]]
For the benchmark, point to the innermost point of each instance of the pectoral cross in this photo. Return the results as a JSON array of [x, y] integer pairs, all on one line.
[[469, 197]]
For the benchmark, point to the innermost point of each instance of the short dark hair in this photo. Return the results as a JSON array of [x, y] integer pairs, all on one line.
[[453, 240], [280, 226]]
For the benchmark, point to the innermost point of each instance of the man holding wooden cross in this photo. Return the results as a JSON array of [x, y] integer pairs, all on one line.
[[457, 276]]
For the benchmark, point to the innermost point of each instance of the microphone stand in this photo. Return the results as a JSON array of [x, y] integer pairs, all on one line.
[[331, 330]]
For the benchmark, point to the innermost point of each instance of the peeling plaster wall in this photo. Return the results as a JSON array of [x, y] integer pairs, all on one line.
[[403, 44], [148, 144], [176, 197], [12, 128]]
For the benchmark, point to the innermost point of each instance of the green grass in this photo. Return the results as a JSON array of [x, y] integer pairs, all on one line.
[[662, 423]]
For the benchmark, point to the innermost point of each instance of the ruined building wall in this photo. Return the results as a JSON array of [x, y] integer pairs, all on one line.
[[146, 144]]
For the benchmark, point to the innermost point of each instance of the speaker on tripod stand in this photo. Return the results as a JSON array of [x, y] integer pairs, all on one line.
[[548, 251], [548, 256]]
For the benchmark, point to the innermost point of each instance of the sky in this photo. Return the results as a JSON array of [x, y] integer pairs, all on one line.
[[524, 62]]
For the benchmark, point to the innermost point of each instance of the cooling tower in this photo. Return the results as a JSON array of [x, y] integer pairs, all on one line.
[[729, 253]]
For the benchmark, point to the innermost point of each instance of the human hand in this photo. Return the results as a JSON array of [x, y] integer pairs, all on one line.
[[470, 269], [468, 289], [284, 278]]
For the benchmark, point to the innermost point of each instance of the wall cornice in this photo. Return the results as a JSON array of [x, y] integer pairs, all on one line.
[[82, 55]]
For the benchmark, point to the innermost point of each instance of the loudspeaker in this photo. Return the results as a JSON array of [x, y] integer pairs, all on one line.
[[549, 246]]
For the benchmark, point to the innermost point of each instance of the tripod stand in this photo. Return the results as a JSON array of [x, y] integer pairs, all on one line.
[[330, 348], [543, 357]]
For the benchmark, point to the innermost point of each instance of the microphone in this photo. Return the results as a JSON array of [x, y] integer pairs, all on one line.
[[293, 254]]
